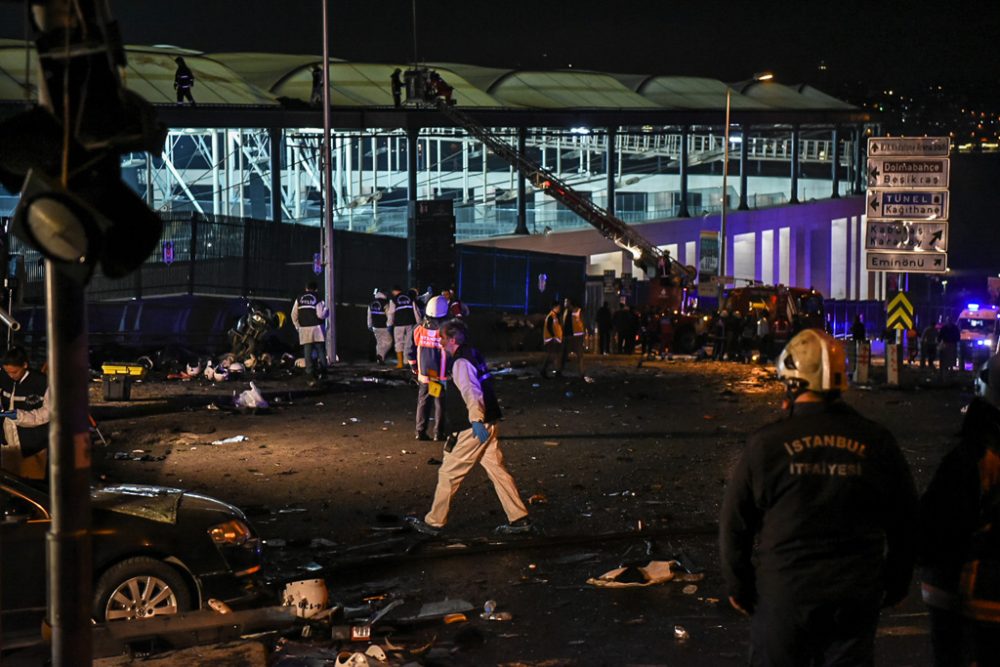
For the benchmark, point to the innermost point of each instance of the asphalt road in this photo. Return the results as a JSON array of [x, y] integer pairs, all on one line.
[[634, 461]]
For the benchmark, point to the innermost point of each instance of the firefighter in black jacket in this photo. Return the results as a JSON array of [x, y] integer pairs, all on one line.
[[474, 417], [828, 499], [25, 396]]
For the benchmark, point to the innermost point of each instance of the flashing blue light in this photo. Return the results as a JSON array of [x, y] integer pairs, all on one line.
[[973, 307], [980, 342]]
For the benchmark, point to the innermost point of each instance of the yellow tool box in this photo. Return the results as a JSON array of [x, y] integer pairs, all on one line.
[[117, 377]]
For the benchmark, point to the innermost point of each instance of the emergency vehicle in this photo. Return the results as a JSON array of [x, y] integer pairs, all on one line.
[[978, 328]]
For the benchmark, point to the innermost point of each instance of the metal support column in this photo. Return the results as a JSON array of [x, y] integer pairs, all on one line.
[[859, 166], [412, 137], [835, 163], [744, 162], [793, 197], [611, 165], [683, 172], [522, 190], [412, 140], [274, 134]]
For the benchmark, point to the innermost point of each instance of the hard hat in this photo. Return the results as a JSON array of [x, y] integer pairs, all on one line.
[[380, 295], [437, 306], [814, 361], [988, 380]]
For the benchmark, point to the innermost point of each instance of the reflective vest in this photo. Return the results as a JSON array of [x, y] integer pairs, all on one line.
[[578, 329], [307, 310], [377, 310], [455, 409], [403, 314], [430, 355], [552, 330]]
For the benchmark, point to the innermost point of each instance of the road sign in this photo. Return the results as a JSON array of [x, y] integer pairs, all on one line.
[[899, 312], [908, 172], [913, 262], [915, 146], [914, 235], [908, 204]]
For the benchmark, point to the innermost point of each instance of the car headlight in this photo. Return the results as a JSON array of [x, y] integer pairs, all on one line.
[[231, 533]]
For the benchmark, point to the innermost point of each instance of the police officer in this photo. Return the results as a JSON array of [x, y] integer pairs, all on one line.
[[552, 337], [308, 314], [428, 363], [474, 419], [378, 324], [25, 397], [403, 317], [829, 500]]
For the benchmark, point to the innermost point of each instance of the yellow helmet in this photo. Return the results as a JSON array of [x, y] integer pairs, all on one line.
[[814, 361]]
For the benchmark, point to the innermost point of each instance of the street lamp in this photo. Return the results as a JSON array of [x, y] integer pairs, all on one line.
[[759, 76]]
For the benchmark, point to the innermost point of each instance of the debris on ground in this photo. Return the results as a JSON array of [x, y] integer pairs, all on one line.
[[231, 440]]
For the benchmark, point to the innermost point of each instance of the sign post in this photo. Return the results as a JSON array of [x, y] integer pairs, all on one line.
[[908, 204]]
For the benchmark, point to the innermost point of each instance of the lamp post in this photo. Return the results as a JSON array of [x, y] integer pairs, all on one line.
[[760, 76]]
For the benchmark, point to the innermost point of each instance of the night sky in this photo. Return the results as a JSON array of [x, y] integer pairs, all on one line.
[[884, 44], [890, 42]]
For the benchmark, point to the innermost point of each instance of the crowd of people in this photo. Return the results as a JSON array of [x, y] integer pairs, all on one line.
[[743, 338]]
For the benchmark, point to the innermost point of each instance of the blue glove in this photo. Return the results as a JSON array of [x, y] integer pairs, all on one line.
[[9, 415], [483, 433]]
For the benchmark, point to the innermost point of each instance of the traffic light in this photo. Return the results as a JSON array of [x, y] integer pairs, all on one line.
[[74, 208], [95, 218]]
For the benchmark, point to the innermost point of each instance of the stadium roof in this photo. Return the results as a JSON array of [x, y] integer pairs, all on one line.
[[260, 79]]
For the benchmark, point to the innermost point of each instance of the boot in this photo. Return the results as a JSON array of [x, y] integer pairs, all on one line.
[[399, 360]]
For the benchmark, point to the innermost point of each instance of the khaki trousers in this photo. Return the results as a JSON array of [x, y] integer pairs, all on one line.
[[460, 461]]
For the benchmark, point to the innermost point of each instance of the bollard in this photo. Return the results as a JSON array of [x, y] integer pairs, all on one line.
[[893, 361], [863, 361]]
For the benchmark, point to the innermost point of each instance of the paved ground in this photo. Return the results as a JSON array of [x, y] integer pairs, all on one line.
[[639, 454]]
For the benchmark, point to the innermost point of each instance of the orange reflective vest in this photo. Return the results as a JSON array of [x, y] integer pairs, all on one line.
[[553, 328]]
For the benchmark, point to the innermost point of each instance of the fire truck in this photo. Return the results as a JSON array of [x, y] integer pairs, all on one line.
[[670, 281], [789, 309]]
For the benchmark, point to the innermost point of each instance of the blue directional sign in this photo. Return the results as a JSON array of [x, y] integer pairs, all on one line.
[[907, 204]]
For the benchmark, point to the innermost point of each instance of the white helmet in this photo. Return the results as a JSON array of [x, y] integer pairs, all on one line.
[[380, 295], [813, 361], [437, 307]]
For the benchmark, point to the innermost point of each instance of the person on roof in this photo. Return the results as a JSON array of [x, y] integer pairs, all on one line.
[[183, 82]]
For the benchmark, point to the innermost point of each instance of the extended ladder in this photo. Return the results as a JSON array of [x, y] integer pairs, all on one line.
[[654, 262]]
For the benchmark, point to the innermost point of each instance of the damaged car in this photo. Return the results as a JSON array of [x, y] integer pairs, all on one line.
[[156, 551]]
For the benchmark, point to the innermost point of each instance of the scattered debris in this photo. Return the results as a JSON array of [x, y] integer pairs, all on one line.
[[231, 440], [654, 572], [680, 633]]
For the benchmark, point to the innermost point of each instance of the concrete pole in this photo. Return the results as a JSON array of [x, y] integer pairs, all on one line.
[[328, 249]]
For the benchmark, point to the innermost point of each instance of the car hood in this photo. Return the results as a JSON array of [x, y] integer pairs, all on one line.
[[160, 503], [156, 503]]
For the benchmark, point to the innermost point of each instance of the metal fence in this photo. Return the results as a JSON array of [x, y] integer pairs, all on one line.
[[225, 256]]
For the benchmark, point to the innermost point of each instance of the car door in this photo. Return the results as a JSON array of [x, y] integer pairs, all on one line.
[[22, 560]]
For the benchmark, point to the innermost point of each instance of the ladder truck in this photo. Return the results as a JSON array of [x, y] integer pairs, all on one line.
[[669, 280]]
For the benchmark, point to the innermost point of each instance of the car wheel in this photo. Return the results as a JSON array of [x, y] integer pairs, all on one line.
[[140, 588]]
